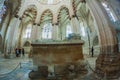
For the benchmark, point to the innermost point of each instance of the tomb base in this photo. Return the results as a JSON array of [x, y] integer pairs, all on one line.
[[61, 72]]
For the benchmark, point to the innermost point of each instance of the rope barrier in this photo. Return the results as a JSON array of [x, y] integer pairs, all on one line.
[[19, 65], [10, 71]]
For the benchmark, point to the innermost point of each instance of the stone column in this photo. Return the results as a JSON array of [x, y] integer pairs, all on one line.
[[57, 31], [5, 24], [12, 30], [34, 32], [15, 33], [63, 32], [20, 35], [53, 32], [75, 25], [107, 64], [39, 33]]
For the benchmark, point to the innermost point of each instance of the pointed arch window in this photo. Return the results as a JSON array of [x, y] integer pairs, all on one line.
[[28, 31], [109, 12], [47, 31]]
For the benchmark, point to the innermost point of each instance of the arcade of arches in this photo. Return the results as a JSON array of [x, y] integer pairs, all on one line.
[[92, 23]]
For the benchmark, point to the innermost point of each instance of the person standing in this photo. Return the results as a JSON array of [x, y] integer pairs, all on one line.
[[92, 51], [23, 51], [19, 52]]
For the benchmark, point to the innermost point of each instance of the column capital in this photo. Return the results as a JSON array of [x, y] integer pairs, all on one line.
[[34, 23], [57, 23], [38, 24]]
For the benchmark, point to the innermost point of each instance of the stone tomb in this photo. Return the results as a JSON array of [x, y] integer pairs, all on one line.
[[54, 54]]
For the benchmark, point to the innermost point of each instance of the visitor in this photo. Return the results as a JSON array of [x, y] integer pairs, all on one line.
[[92, 51], [19, 52], [23, 52]]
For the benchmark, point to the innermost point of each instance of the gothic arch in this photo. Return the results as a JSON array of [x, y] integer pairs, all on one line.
[[47, 13], [30, 12], [66, 13], [65, 7]]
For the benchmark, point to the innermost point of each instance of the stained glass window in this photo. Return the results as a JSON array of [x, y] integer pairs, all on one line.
[[2, 9]]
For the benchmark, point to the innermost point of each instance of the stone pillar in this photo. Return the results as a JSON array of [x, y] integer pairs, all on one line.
[[60, 33], [53, 32], [39, 33], [34, 32], [19, 35], [75, 25], [107, 64], [12, 27], [5, 24], [63, 32], [57, 32], [15, 33], [10, 30], [4, 30]]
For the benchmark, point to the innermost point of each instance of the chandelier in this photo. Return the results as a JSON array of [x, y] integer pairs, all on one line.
[[2, 9]]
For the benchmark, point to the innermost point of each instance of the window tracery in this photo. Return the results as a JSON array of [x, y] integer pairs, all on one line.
[[47, 31]]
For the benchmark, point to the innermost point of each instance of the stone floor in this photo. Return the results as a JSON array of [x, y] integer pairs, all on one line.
[[17, 68]]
